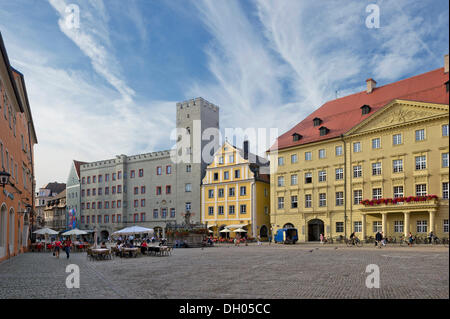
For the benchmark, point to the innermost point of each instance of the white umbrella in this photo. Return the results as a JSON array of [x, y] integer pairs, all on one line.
[[239, 230], [133, 230], [225, 231], [46, 231], [74, 231]]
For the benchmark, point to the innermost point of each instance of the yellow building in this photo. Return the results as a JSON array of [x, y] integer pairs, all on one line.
[[366, 162], [236, 193]]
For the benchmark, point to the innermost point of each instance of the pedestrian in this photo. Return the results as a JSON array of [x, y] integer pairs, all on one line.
[[321, 238], [383, 239], [67, 245], [410, 239], [57, 248], [430, 238], [270, 239], [258, 240], [378, 238]]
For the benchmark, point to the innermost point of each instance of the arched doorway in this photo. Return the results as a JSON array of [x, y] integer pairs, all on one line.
[[315, 228], [3, 230], [288, 225], [11, 230], [263, 231]]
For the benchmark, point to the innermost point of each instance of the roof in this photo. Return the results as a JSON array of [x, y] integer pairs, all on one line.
[[55, 188], [342, 114], [77, 165]]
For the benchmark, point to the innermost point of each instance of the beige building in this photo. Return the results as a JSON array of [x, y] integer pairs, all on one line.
[[55, 212], [373, 161]]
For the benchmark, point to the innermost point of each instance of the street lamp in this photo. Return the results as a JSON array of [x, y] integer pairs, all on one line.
[[4, 178]]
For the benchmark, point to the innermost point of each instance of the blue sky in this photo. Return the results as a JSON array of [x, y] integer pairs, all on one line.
[[110, 87]]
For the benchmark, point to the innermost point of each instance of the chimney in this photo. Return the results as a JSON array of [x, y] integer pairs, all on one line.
[[446, 63], [245, 147], [371, 84]]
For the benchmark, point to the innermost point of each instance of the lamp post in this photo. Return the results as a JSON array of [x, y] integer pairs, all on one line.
[[4, 178]]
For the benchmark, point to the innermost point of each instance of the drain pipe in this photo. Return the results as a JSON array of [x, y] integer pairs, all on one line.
[[345, 185]]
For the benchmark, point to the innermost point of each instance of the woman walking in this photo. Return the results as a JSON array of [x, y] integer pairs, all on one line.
[[67, 245], [57, 248]]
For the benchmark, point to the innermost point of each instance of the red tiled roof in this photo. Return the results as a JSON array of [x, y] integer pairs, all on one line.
[[77, 166], [342, 114]]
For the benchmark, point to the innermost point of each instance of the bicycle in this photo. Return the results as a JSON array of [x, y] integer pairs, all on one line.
[[353, 242], [370, 240]]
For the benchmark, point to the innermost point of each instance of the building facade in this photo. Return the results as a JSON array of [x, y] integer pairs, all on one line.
[[372, 161], [73, 195], [46, 194], [235, 193], [55, 212], [17, 138], [151, 189]]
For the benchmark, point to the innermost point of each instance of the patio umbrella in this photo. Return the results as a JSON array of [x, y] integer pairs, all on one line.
[[46, 231], [132, 230], [74, 231], [240, 230], [226, 230]]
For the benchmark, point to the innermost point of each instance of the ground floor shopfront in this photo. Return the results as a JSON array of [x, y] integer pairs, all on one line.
[[229, 229], [14, 231], [393, 220]]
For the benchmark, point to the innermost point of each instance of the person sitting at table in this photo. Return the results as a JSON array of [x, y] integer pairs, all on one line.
[[144, 247], [103, 245]]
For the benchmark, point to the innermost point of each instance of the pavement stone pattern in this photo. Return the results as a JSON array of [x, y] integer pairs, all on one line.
[[268, 271]]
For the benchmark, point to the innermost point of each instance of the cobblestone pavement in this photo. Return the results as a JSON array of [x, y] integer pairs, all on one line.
[[276, 271]]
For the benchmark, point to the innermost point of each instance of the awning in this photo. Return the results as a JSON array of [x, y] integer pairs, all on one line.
[[236, 226]]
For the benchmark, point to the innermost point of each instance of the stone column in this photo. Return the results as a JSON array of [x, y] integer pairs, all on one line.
[[432, 220], [363, 235], [384, 223], [406, 223]]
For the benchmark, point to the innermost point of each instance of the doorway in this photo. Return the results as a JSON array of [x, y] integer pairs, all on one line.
[[315, 228]]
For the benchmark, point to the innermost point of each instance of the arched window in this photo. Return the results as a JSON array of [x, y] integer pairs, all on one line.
[[288, 225]]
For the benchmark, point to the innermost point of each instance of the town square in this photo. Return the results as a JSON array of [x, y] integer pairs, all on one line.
[[202, 149]]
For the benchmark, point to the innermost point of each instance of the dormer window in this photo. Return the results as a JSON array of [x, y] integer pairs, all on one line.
[[296, 137], [365, 109], [323, 131], [317, 121]]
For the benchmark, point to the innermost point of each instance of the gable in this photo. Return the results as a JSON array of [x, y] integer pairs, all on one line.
[[400, 112]]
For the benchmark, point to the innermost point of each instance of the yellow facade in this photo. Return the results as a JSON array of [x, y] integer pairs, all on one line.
[[235, 195], [340, 212]]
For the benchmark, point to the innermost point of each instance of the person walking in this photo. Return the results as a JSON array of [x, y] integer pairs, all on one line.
[[57, 248], [378, 238], [321, 238], [67, 245], [410, 239]]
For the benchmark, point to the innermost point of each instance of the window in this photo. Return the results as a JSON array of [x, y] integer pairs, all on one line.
[[221, 211], [444, 159], [106, 190], [210, 211], [237, 173], [338, 150], [231, 159], [243, 209], [220, 192], [321, 153], [398, 226], [294, 158], [376, 193], [421, 162], [132, 174], [119, 175], [231, 210], [211, 193], [113, 176], [136, 190], [159, 170], [142, 202], [308, 178], [221, 160], [158, 190], [294, 179], [106, 177], [376, 143], [322, 176], [308, 156], [163, 212], [88, 192], [172, 213], [308, 201], [376, 169], [188, 168], [398, 191], [82, 193], [421, 189], [141, 172], [113, 190], [142, 217], [226, 175], [357, 147], [377, 226], [339, 198], [420, 135], [188, 187], [357, 227], [445, 225], [280, 161], [100, 178], [422, 226], [445, 130], [188, 206], [357, 171], [357, 196], [280, 181], [216, 176], [106, 219], [445, 190], [99, 205], [155, 213], [168, 189], [397, 139], [322, 200], [339, 174], [106, 205], [113, 204], [119, 189], [231, 192], [397, 166], [280, 202], [339, 227], [100, 191], [94, 179], [99, 219], [294, 202], [243, 190]]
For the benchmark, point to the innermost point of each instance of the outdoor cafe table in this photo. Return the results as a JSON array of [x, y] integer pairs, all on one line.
[[37, 246], [130, 251], [101, 251]]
